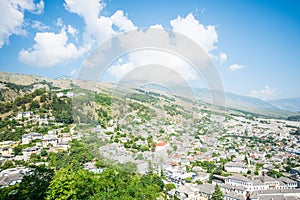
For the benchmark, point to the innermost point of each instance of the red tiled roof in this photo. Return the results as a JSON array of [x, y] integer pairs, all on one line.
[[174, 163], [160, 144]]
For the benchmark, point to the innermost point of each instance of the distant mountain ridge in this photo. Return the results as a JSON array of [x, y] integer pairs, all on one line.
[[285, 107], [245, 103], [289, 104], [236, 101]]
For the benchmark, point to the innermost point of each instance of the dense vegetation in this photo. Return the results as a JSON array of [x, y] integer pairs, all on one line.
[[62, 110], [19, 101], [113, 183], [65, 178], [18, 88], [103, 99], [145, 98]]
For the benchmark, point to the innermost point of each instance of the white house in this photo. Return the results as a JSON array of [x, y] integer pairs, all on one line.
[[236, 167], [161, 145], [185, 192], [249, 184], [49, 139], [238, 180], [70, 94], [26, 114], [6, 151], [289, 183], [62, 146], [202, 176], [59, 94], [31, 150], [26, 138]]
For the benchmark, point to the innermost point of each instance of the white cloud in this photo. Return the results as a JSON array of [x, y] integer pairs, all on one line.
[[59, 22], [87, 9], [71, 30], [157, 26], [39, 25], [122, 21], [121, 69], [206, 36], [264, 94], [98, 28], [152, 57], [37, 8], [236, 67], [12, 17], [50, 49], [222, 57]]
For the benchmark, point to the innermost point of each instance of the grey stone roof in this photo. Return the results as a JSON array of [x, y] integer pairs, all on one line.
[[257, 182], [233, 195], [291, 198], [267, 179], [206, 188], [233, 187], [235, 164], [283, 191], [9, 179], [271, 197], [286, 180], [239, 177]]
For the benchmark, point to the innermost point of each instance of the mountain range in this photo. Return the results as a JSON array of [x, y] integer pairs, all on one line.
[[290, 104], [280, 107]]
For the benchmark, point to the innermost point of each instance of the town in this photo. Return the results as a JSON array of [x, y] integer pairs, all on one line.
[[197, 151]]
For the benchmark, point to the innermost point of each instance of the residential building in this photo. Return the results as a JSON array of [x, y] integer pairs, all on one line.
[[236, 167]]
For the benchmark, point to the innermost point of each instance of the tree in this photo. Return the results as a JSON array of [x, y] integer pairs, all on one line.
[[114, 182], [274, 173], [43, 98], [7, 164], [35, 183], [8, 192], [23, 107], [232, 157], [101, 163], [76, 155], [169, 187], [17, 150], [217, 194], [246, 159], [34, 105], [71, 184], [43, 152]]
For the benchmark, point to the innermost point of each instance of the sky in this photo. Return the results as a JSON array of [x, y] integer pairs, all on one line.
[[254, 44]]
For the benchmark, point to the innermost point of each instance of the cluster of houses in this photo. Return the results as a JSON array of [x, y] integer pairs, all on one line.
[[68, 94], [173, 153], [205, 191], [30, 116], [50, 141], [234, 187], [240, 182]]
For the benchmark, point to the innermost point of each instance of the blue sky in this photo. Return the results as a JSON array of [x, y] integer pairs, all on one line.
[[255, 44]]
